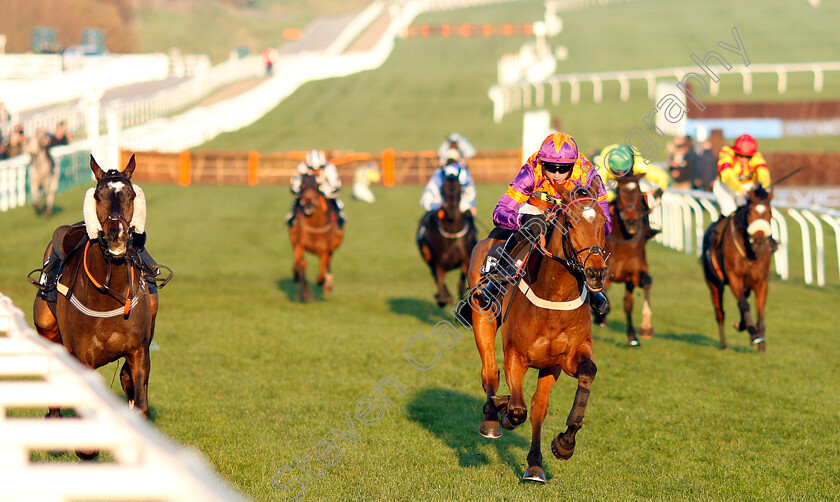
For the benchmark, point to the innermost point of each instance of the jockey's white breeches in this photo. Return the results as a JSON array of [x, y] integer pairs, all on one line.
[[727, 198]]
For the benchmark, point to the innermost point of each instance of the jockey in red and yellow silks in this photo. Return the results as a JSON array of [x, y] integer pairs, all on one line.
[[557, 149], [740, 167]]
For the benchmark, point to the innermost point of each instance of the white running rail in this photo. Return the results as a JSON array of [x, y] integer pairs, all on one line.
[[37, 373], [511, 97], [681, 218]]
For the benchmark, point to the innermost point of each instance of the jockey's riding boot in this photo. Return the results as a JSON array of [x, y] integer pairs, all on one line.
[[147, 264], [599, 302], [290, 217], [650, 231]]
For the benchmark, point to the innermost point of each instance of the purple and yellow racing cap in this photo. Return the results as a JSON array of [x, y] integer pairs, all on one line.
[[558, 148]]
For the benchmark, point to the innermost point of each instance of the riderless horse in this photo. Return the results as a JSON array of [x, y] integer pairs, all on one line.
[[737, 251], [314, 230], [449, 240], [627, 258], [43, 174], [107, 299], [546, 324]]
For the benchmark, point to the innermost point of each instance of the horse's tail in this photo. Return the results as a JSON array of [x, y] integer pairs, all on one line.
[[709, 270]]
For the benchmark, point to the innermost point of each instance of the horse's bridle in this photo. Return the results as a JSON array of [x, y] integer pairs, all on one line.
[[571, 261]]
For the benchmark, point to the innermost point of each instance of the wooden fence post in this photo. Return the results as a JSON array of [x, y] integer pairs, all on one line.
[[253, 167], [388, 168], [184, 168]]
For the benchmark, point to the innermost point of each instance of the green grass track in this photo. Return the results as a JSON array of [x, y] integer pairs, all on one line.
[[252, 378]]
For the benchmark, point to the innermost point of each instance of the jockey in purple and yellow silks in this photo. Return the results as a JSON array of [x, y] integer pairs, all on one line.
[[557, 165]]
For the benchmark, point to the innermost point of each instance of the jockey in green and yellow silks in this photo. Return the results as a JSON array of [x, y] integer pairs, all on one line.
[[618, 160], [620, 163]]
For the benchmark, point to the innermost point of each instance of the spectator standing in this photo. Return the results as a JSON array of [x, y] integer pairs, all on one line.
[[680, 156], [704, 173]]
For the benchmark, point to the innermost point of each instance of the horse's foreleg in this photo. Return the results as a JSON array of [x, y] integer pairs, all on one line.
[[127, 383], [45, 322], [443, 297], [760, 302], [628, 314], [563, 446], [646, 328], [601, 319], [139, 366], [539, 409], [462, 282], [485, 340], [324, 279], [516, 410], [300, 273]]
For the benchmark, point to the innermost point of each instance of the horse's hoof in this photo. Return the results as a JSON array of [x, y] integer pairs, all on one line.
[[632, 341], [507, 424], [646, 332], [441, 304], [534, 473], [491, 429], [87, 454], [560, 451], [756, 339]]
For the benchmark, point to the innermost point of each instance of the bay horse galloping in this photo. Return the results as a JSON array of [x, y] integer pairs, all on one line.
[[627, 258], [108, 303], [546, 324], [314, 230], [449, 239], [737, 251]]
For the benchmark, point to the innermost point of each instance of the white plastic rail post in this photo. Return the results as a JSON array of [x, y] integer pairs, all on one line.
[[818, 233], [806, 244]]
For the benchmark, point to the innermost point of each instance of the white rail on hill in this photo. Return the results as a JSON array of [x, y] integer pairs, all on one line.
[[37, 373], [508, 98], [681, 218]]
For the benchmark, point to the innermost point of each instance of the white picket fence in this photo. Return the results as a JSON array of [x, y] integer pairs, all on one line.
[[508, 98], [37, 373], [681, 218]]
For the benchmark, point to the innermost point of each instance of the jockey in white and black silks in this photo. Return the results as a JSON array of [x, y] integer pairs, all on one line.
[[329, 184], [432, 199]]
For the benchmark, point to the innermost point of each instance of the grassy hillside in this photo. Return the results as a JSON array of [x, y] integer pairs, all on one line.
[[430, 87], [253, 378], [215, 27]]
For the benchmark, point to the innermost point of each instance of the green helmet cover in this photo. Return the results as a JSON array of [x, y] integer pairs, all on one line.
[[620, 160]]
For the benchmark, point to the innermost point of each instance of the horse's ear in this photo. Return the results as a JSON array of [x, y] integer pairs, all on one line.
[[129, 168], [97, 171]]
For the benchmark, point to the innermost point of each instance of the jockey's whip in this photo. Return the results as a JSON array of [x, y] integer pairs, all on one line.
[[788, 175]]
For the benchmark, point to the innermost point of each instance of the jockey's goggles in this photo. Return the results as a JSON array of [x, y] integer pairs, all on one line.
[[551, 167], [748, 157]]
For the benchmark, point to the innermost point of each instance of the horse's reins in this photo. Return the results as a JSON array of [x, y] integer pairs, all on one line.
[[572, 264]]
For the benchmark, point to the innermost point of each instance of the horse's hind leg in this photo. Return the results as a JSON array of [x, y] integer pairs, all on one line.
[[716, 291], [563, 446], [539, 409], [646, 329], [628, 314]]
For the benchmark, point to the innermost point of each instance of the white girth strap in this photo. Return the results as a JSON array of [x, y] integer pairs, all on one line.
[[539, 302], [94, 313]]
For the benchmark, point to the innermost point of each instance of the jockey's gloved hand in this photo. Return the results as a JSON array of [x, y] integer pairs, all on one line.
[[532, 226], [658, 193]]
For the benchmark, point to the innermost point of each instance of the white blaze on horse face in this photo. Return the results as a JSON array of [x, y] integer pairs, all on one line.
[[631, 185], [760, 208], [116, 185], [589, 214]]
